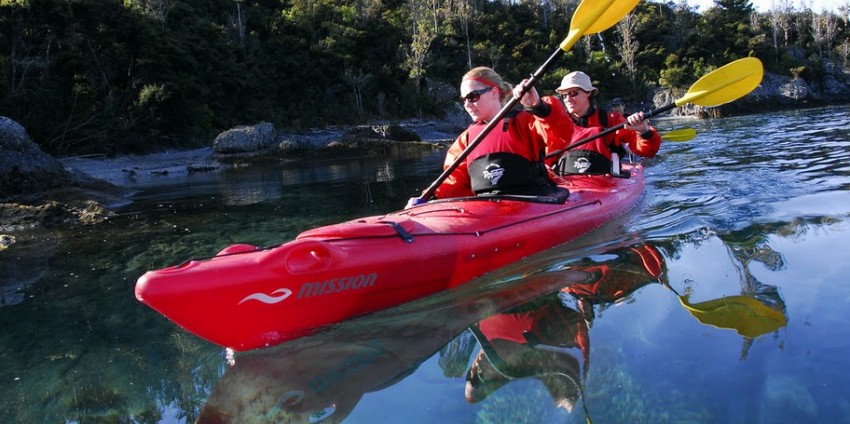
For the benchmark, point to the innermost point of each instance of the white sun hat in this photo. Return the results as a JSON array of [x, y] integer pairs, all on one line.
[[577, 79]]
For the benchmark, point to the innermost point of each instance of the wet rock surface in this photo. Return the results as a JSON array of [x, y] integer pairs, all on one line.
[[37, 190]]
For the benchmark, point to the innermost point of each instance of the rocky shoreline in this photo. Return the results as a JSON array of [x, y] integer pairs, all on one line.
[[39, 191], [245, 144]]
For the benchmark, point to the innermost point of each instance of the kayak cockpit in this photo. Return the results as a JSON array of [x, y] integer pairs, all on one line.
[[559, 195]]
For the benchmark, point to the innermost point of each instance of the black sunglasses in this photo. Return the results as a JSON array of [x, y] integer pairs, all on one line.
[[474, 95], [571, 93]]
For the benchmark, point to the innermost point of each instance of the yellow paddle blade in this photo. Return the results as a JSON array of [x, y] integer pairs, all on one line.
[[725, 84], [594, 16], [744, 314], [679, 135]]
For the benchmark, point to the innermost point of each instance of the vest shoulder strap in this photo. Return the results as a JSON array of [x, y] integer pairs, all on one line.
[[603, 117]]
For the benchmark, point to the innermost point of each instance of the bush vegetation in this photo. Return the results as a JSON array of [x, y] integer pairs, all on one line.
[[116, 77]]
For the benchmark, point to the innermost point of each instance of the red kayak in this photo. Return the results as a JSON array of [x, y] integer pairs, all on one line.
[[247, 297]]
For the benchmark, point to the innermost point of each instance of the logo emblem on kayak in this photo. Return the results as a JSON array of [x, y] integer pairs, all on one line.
[[493, 173], [268, 299], [337, 285], [582, 165]]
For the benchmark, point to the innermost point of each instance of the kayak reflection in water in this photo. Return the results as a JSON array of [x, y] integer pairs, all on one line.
[[322, 377], [543, 340], [616, 279], [547, 339]]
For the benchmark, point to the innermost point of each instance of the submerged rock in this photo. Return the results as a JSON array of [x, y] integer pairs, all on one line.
[[51, 214], [6, 240], [787, 399]]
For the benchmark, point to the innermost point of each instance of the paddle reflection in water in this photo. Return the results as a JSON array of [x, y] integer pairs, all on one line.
[[534, 323], [759, 309]]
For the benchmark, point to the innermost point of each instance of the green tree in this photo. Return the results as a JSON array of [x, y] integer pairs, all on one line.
[[87, 76]]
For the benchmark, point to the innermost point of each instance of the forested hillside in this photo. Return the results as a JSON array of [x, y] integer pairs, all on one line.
[[106, 76]]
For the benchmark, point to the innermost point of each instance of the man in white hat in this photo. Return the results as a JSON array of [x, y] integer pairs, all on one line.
[[601, 156]]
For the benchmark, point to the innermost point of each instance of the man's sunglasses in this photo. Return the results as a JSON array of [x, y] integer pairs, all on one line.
[[474, 95], [571, 93]]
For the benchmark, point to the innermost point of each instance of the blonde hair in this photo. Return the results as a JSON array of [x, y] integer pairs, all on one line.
[[490, 77]]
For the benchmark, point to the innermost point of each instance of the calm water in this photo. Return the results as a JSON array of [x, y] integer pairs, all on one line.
[[745, 224]]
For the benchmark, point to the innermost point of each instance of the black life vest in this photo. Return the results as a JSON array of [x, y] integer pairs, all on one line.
[[587, 161], [509, 173], [581, 161]]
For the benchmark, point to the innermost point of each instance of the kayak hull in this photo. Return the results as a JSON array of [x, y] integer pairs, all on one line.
[[246, 298]]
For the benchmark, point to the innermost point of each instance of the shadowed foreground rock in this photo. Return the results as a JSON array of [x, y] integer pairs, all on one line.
[[37, 191]]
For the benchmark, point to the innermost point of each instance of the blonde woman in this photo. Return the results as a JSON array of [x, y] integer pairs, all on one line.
[[509, 159]]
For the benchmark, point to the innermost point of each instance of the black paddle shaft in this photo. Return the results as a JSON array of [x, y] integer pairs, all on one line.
[[608, 131], [535, 77]]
